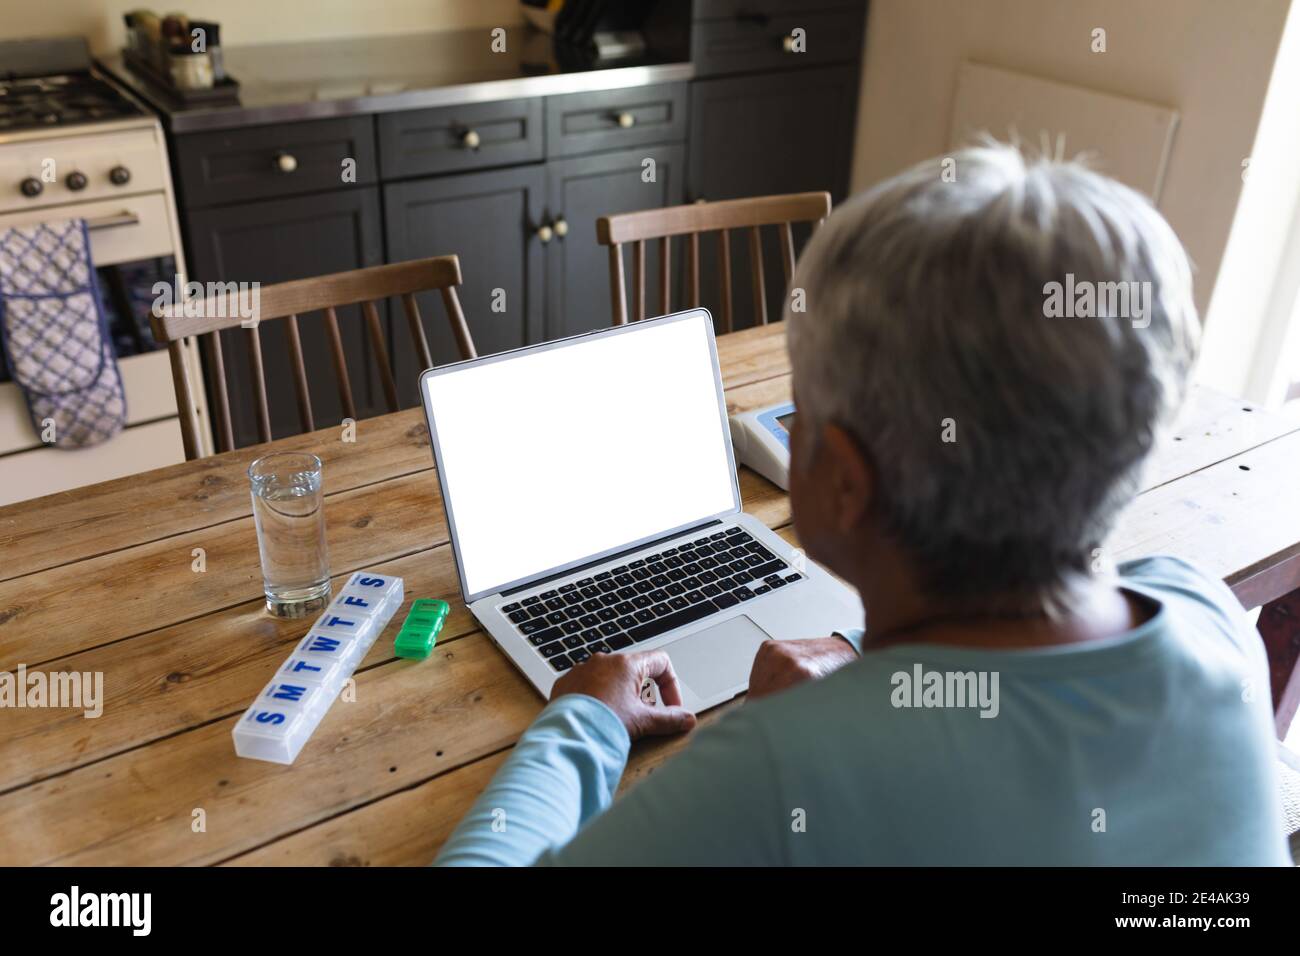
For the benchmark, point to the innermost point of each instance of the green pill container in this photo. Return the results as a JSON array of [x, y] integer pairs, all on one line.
[[419, 632]]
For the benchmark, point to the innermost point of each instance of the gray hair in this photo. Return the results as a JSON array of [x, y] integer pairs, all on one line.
[[928, 318]]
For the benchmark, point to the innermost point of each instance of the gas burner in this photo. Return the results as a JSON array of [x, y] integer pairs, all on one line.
[[43, 102]]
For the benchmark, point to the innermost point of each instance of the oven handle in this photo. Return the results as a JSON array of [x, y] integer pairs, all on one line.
[[123, 218]]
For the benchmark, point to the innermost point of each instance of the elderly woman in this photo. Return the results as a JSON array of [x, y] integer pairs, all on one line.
[[963, 447]]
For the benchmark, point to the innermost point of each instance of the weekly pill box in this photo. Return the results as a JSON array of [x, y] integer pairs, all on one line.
[[285, 714]]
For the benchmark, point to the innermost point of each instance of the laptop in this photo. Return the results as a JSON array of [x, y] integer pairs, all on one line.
[[593, 505]]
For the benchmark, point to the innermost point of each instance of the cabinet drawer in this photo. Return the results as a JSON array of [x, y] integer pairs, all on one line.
[[456, 138], [759, 42], [233, 165], [613, 119]]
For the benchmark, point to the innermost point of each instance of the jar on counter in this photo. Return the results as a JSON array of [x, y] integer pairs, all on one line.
[[211, 33], [190, 70]]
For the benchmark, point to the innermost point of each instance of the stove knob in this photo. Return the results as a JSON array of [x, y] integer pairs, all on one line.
[[31, 187], [76, 181], [119, 175]]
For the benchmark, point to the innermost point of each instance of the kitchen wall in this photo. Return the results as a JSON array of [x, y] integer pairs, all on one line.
[[255, 21], [1209, 59]]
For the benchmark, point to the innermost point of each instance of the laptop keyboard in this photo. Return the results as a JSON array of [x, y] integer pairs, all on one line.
[[634, 602]]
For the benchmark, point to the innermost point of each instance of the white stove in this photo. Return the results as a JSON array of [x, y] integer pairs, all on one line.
[[74, 145]]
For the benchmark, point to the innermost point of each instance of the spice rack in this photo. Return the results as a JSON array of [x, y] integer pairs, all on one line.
[[180, 57]]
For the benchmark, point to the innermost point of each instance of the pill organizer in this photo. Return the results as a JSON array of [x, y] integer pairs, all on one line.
[[286, 712]]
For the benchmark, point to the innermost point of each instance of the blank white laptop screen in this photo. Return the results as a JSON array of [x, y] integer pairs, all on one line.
[[555, 455]]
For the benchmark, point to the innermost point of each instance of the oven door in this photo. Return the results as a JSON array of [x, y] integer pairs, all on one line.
[[131, 247]]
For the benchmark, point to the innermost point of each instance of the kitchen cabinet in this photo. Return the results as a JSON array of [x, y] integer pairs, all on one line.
[[757, 135], [490, 220], [580, 191], [274, 241], [519, 232]]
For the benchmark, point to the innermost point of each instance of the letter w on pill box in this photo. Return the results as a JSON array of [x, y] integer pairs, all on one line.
[[285, 714]]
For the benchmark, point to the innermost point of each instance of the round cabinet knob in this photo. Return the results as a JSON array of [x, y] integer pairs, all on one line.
[[31, 188], [76, 181], [787, 43], [286, 162], [626, 120], [119, 175], [561, 227], [471, 139], [545, 233]]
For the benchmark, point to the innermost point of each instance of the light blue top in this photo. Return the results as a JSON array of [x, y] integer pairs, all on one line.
[[1152, 748]]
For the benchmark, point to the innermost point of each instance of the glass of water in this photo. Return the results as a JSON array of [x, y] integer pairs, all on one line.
[[288, 507]]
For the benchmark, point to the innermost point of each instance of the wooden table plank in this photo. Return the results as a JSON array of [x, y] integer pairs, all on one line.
[[100, 519], [1189, 517], [1211, 428]]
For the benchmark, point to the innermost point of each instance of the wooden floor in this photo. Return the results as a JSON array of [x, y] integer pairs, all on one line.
[[101, 579]]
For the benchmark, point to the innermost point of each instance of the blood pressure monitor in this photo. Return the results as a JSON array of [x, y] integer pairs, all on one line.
[[761, 439]]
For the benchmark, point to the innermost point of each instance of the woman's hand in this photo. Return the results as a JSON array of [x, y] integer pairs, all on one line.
[[616, 681], [782, 664]]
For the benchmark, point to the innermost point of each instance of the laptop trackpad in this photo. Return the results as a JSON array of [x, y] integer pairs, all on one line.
[[716, 660]]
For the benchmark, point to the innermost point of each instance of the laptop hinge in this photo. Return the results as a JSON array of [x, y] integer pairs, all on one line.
[[608, 558]]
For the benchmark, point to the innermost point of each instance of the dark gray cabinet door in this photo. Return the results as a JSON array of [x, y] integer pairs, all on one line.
[[275, 241], [489, 220], [580, 191], [760, 135]]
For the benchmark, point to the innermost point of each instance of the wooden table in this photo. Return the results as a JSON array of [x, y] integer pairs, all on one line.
[[102, 579]]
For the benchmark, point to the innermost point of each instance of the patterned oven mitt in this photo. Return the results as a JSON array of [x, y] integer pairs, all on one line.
[[55, 339]]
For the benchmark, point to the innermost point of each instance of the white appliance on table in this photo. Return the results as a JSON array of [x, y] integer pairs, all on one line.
[[73, 144]]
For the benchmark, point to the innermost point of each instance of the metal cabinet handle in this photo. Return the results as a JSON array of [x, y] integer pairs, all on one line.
[[787, 43], [561, 227], [286, 162], [471, 139], [545, 233], [625, 120], [123, 218]]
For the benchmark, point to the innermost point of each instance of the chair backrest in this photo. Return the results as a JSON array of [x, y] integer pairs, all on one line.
[[287, 301], [690, 220]]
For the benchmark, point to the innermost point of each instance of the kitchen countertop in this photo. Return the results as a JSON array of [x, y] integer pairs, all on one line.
[[286, 82]]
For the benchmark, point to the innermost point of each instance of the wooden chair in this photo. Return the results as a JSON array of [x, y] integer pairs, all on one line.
[[287, 301], [691, 220]]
